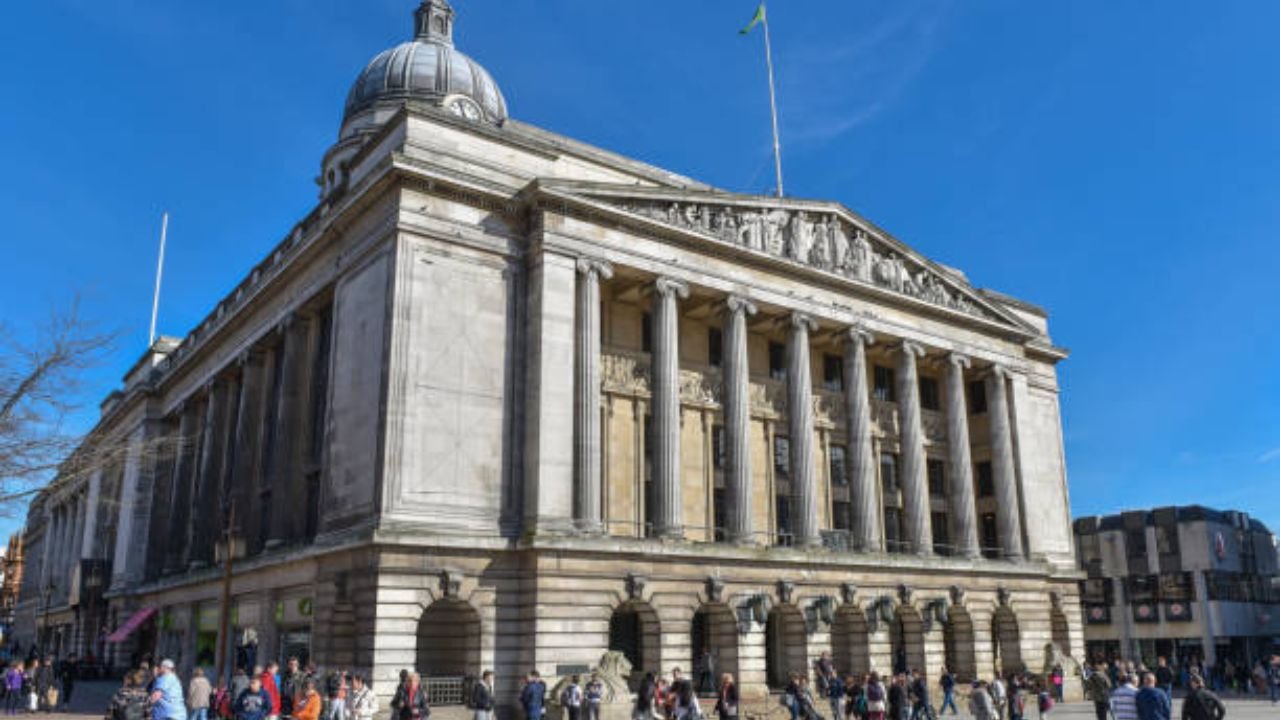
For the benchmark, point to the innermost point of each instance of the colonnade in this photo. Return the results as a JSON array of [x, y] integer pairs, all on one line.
[[866, 522]]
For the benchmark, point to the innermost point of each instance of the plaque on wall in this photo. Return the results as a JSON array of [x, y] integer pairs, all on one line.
[[1177, 611], [1145, 613]]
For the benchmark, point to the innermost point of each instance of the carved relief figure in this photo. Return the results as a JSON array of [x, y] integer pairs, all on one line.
[[861, 260], [752, 231], [839, 243], [801, 238], [775, 222]]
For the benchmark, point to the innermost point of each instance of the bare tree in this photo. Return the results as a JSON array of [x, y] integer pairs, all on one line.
[[41, 383]]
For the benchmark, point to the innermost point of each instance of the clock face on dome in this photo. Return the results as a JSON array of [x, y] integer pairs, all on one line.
[[463, 107]]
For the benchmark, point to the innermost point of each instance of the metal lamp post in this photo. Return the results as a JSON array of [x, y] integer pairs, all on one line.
[[48, 597], [228, 549]]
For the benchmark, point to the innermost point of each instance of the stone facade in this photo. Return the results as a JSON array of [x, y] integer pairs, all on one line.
[[504, 400]]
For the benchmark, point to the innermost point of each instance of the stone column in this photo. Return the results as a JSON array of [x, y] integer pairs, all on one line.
[[588, 476], [737, 420], [665, 375], [243, 477], [1002, 470], [915, 485], [208, 520], [181, 498], [286, 507], [964, 516], [88, 544], [804, 481], [868, 535]]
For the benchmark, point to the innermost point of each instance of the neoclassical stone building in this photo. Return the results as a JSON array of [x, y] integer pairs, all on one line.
[[507, 400]]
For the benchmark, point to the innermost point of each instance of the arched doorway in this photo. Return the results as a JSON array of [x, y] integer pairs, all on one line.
[[634, 632], [1061, 631], [1005, 642], [906, 640], [714, 646], [958, 644], [785, 650], [850, 641], [449, 640]]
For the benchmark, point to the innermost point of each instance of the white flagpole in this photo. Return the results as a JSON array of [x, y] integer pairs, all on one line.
[[155, 299], [773, 102]]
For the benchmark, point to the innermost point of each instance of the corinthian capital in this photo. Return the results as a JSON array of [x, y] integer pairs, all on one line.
[[602, 269], [669, 287], [735, 304]]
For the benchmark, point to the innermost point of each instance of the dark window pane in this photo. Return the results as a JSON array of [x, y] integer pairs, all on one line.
[[782, 510], [840, 515], [777, 361], [889, 472], [782, 457], [893, 530], [929, 394], [884, 384], [833, 372], [941, 534], [937, 477], [839, 467], [977, 397], [719, 511], [990, 536], [986, 481], [646, 333], [715, 347], [717, 446]]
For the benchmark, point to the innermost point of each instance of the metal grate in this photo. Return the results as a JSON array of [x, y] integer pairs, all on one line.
[[443, 691]]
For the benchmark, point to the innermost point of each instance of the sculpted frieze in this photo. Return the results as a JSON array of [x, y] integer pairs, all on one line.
[[885, 417], [821, 240]]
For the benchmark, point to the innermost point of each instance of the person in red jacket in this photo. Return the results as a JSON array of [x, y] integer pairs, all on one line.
[[268, 678]]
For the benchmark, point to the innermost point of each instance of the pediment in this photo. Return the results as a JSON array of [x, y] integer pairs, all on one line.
[[821, 236]]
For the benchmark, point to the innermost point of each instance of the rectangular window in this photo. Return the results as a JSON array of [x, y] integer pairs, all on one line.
[[840, 515], [833, 372], [889, 473], [646, 333], [777, 361], [717, 446], [839, 466], [782, 515], [782, 457], [986, 482], [715, 347], [937, 477], [977, 398], [1135, 542], [990, 536], [719, 511], [893, 530], [650, 492], [884, 384], [941, 533], [929, 394]]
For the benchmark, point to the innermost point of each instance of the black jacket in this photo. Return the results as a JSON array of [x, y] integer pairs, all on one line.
[[481, 697], [1202, 705]]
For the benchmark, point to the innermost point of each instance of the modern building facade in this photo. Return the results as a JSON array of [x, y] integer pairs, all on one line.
[[1179, 582], [505, 400]]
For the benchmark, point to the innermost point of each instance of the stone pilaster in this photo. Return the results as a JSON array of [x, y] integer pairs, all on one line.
[[287, 513], [1003, 473], [243, 475], [915, 486], [88, 541], [964, 518], [737, 420], [804, 481], [207, 519], [667, 294], [588, 474], [865, 495], [180, 499]]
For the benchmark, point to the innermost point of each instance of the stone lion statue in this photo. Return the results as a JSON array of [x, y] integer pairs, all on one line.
[[1053, 655], [612, 671]]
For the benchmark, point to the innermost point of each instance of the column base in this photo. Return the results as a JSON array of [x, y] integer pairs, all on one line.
[[670, 533]]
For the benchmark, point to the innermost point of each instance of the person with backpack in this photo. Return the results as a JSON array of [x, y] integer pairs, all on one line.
[[948, 683], [727, 698], [1097, 689], [1200, 703], [533, 696], [594, 694], [855, 703], [980, 704], [130, 701], [571, 699], [875, 692], [482, 697], [253, 704]]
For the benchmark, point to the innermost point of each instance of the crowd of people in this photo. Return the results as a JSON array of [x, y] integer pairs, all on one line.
[[40, 684]]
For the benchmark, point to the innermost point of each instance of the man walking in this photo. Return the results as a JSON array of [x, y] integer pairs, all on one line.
[[482, 697], [1152, 702], [1098, 689], [948, 683], [167, 702], [1124, 699], [1200, 704], [1164, 676], [198, 693], [533, 696]]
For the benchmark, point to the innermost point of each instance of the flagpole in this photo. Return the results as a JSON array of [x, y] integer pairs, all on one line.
[[773, 102], [155, 298]]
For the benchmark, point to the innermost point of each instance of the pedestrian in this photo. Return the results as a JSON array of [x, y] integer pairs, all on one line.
[[919, 694], [533, 696], [29, 691], [267, 676], [411, 703], [13, 688], [252, 704], [571, 699], [808, 709], [727, 698], [646, 695], [306, 706], [68, 673], [1044, 700], [1200, 704], [836, 695], [875, 692], [482, 696], [1017, 699], [594, 692], [1153, 703], [1097, 688], [47, 685], [791, 696], [1164, 676], [130, 701], [198, 693], [1056, 678], [364, 704], [1124, 699], [293, 686], [334, 689], [999, 696], [239, 683], [948, 683], [980, 705], [686, 706], [1273, 674], [166, 694], [855, 699], [899, 703]]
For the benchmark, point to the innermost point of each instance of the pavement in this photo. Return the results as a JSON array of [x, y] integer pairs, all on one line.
[[90, 699]]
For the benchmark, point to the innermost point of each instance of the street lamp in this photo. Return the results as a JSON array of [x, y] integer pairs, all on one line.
[[49, 589], [227, 550]]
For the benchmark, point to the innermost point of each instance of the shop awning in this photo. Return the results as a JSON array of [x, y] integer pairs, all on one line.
[[134, 622]]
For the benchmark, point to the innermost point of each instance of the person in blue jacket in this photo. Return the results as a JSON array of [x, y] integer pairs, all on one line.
[[533, 696]]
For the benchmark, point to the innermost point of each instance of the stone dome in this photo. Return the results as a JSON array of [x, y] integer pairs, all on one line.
[[428, 68]]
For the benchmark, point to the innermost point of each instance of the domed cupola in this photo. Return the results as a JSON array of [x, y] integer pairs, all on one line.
[[428, 68]]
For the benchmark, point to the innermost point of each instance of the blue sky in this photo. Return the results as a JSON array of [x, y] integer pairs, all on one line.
[[1116, 163]]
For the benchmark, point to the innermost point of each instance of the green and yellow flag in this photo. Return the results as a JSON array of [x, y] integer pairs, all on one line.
[[755, 20]]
